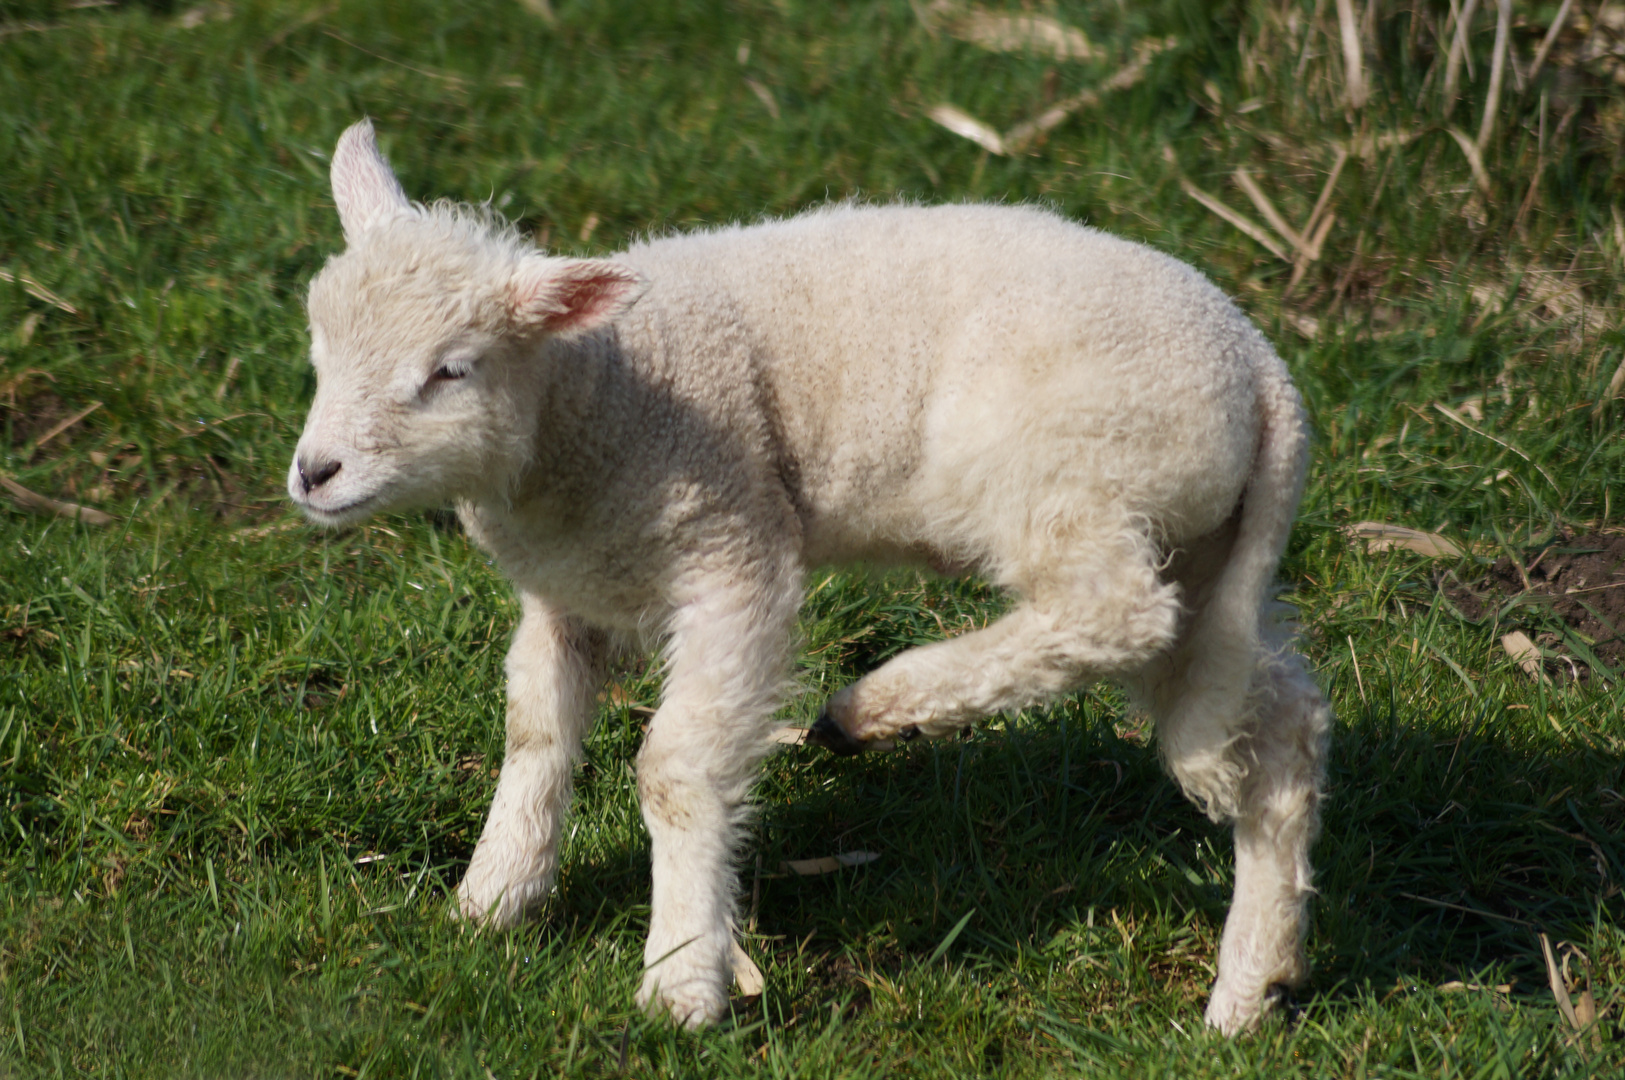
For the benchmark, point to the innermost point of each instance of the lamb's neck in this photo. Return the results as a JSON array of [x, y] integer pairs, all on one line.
[[584, 422]]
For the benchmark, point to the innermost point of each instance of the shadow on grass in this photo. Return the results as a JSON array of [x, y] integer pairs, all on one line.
[[1443, 855]]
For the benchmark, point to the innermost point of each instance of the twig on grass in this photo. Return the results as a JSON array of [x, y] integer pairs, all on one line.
[[1451, 414], [1326, 190], [44, 504], [1458, 51], [38, 291], [1550, 40], [1503, 33], [1317, 228], [745, 972], [225, 382], [1612, 392], [63, 426], [1244, 180], [1358, 681], [1474, 160], [1125, 77], [1301, 266], [1240, 221], [1018, 138], [455, 81], [1354, 85], [828, 864], [1306, 242], [29, 27], [1468, 910]]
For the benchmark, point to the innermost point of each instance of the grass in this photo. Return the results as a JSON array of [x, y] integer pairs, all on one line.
[[243, 762]]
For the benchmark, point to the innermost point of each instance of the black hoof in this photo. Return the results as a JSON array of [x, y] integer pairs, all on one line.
[[1279, 1000], [828, 734], [909, 734]]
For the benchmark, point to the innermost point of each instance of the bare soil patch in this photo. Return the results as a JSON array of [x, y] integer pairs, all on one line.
[[1569, 596]]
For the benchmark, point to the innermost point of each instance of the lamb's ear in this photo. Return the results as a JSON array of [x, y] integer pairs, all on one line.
[[570, 296], [364, 186]]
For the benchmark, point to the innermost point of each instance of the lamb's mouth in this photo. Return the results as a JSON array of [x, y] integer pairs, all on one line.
[[347, 514]]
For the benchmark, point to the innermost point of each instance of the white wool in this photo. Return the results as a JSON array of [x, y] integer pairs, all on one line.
[[657, 445]]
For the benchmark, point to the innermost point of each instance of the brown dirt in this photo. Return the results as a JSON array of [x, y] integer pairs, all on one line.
[[1578, 579], [33, 416]]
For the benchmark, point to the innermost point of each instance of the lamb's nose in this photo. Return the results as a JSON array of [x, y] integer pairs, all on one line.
[[316, 477]]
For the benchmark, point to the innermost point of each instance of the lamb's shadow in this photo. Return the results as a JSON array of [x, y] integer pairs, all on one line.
[[1440, 857]]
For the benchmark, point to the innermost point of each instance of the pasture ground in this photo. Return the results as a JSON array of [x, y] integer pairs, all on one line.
[[242, 761]]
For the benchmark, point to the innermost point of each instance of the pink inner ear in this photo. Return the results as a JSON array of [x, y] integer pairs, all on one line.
[[584, 302], [574, 297]]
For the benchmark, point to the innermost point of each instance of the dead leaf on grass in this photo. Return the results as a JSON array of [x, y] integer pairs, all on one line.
[[746, 974], [829, 864], [765, 96], [966, 126], [1007, 33], [1526, 653], [1381, 536], [542, 9], [1560, 990]]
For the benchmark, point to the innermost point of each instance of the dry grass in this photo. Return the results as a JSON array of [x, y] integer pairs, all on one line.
[[241, 763]]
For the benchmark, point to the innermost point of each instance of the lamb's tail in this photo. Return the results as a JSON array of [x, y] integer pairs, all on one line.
[[1227, 642]]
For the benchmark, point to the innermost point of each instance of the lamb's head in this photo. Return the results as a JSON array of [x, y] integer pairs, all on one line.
[[430, 339]]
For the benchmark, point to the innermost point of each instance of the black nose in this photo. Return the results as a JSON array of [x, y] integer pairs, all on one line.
[[316, 477]]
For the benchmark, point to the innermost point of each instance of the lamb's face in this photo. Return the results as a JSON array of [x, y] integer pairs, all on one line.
[[419, 396], [429, 341]]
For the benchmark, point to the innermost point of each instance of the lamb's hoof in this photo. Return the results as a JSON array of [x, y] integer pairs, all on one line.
[[689, 1007], [827, 733], [1236, 1016]]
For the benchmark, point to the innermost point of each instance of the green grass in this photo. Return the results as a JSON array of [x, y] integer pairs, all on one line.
[[243, 762]]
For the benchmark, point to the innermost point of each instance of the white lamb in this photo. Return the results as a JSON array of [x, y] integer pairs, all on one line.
[[657, 445]]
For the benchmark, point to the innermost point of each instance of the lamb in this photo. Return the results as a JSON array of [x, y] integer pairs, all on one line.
[[656, 446]]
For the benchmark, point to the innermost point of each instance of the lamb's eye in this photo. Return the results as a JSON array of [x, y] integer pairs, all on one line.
[[447, 372]]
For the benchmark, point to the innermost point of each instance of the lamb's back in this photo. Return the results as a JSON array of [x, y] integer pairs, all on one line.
[[900, 346]]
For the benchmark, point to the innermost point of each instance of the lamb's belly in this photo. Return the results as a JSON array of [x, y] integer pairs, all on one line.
[[979, 478]]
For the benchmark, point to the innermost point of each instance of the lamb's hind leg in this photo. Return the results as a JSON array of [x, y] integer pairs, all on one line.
[[1243, 729], [1262, 951], [1101, 614]]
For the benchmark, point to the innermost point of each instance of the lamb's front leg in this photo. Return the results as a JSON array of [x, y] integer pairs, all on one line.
[[553, 666], [728, 660]]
